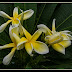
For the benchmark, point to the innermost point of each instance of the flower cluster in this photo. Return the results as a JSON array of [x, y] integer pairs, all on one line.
[[22, 38], [58, 40]]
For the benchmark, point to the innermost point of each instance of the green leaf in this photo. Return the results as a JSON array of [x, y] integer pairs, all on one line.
[[48, 10], [40, 13], [4, 36], [28, 66], [44, 13], [63, 16], [61, 66]]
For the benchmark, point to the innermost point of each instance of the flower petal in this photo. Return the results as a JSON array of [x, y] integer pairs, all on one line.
[[7, 46], [15, 12], [20, 45], [65, 43], [17, 38], [11, 31], [66, 31], [15, 22], [58, 47], [46, 30], [53, 25], [21, 30], [36, 35], [55, 38], [3, 26], [68, 35], [27, 14], [26, 33], [3, 14], [40, 47], [22, 40], [15, 30], [8, 57], [65, 37], [29, 48]]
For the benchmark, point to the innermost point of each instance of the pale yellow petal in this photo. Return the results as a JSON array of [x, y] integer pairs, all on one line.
[[65, 37], [22, 40], [68, 36], [36, 35], [40, 47], [15, 30], [26, 33], [11, 31], [46, 30], [65, 43], [29, 48], [16, 22], [27, 14], [15, 12], [3, 14], [53, 25], [17, 38], [3, 26], [22, 16], [8, 57], [7, 46], [55, 38], [58, 47], [21, 43], [66, 31], [21, 30]]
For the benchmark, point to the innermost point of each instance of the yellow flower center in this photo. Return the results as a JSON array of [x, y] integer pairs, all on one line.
[[15, 21]]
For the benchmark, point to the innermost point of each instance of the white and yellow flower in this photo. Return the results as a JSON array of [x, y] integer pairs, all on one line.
[[58, 40], [8, 57], [16, 17], [31, 44]]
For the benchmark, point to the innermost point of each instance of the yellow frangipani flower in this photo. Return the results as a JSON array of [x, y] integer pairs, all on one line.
[[30, 42], [58, 40], [8, 57], [16, 18]]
